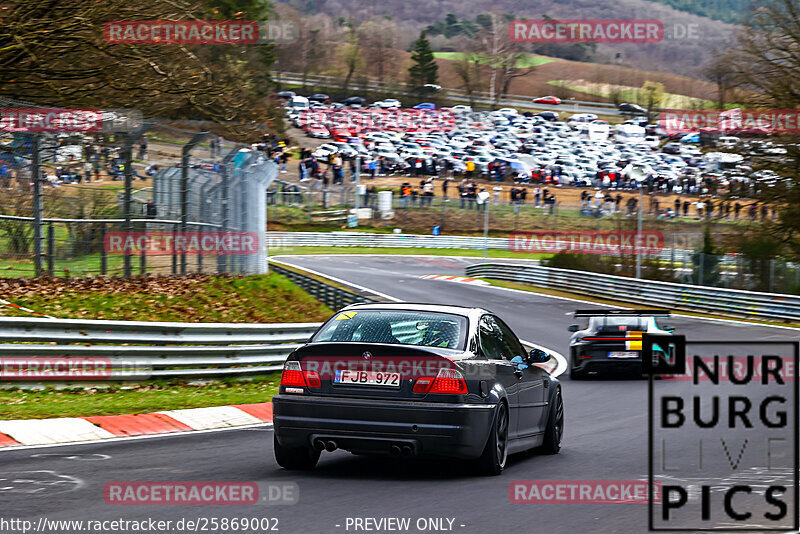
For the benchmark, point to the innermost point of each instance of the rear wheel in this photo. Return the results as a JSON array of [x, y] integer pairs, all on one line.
[[555, 426], [295, 458], [495, 454], [575, 374]]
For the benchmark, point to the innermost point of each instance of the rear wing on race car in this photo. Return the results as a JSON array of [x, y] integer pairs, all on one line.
[[623, 313]]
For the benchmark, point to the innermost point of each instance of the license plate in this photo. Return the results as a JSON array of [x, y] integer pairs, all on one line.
[[366, 378], [624, 354]]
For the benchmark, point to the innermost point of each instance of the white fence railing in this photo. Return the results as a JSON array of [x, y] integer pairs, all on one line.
[[278, 240], [713, 300]]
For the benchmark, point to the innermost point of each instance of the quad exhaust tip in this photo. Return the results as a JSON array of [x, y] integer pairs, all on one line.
[[331, 446], [407, 450], [395, 450], [319, 444]]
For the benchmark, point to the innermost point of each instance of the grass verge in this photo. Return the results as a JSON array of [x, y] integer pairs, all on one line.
[[196, 298], [139, 398]]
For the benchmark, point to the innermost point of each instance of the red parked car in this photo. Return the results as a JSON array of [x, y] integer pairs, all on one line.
[[552, 100]]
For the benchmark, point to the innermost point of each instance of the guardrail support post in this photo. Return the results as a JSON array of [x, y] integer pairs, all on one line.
[[36, 176], [126, 207], [51, 249], [103, 257]]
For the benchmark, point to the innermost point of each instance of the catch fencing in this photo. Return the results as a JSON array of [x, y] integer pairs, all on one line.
[[717, 301], [64, 193]]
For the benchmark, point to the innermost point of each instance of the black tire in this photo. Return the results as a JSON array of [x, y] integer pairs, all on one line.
[[495, 453], [296, 458], [575, 374], [554, 432]]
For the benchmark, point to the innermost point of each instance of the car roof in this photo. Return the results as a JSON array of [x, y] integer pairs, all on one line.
[[465, 311]]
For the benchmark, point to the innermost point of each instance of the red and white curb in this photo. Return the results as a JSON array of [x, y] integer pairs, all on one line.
[[461, 279], [81, 429]]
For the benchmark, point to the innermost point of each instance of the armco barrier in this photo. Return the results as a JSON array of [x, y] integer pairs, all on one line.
[[712, 300], [155, 349], [372, 240], [364, 239], [138, 350]]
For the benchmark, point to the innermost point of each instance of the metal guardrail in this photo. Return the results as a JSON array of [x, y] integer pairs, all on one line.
[[479, 97], [359, 239], [371, 240], [377, 84], [334, 296], [717, 301], [151, 349]]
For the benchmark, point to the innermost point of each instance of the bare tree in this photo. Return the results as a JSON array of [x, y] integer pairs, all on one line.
[[766, 59], [468, 70], [54, 52], [350, 54], [503, 56], [379, 40]]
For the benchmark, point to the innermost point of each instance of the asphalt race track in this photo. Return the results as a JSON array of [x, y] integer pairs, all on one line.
[[605, 439]]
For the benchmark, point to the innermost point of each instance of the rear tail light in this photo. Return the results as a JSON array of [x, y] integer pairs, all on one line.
[[312, 377], [448, 381], [293, 375], [422, 385]]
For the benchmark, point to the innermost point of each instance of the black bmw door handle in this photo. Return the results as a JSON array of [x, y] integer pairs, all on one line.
[[518, 373]]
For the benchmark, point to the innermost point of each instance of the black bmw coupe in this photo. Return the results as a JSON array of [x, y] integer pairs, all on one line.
[[416, 380]]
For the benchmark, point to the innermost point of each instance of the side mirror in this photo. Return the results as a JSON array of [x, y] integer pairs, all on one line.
[[668, 328], [573, 328], [538, 356]]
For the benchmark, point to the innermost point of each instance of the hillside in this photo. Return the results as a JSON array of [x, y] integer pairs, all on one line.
[[731, 11], [685, 55]]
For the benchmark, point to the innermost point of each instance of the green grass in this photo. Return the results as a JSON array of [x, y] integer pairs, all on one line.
[[200, 298], [529, 60], [84, 266], [142, 398], [670, 100]]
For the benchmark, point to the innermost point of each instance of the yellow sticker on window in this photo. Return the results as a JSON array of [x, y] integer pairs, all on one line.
[[345, 315]]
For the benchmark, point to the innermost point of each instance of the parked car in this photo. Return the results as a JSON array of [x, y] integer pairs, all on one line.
[[319, 97], [354, 100], [548, 115], [636, 109]]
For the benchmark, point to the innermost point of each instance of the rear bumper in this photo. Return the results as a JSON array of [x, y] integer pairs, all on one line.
[[588, 358], [373, 426]]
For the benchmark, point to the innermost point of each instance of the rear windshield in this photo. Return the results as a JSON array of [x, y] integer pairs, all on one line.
[[619, 324], [427, 329]]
